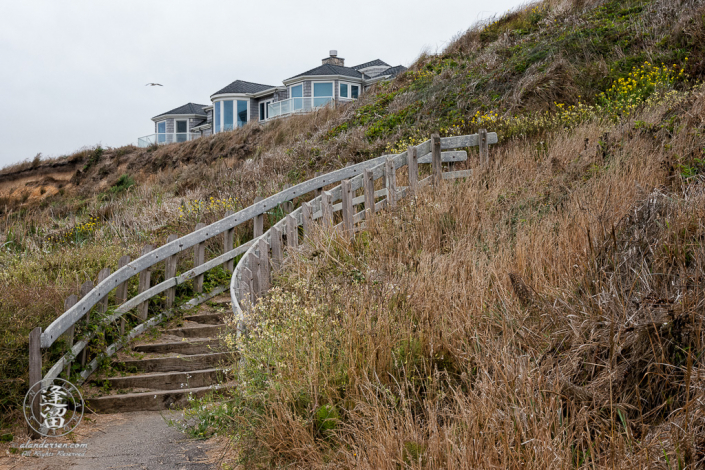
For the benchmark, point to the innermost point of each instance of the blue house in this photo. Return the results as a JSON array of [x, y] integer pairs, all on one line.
[[331, 83]]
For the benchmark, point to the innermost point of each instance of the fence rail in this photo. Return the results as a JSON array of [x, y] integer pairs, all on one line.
[[250, 277]]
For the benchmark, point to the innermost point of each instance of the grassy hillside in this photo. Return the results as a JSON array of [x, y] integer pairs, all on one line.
[[545, 313], [537, 76]]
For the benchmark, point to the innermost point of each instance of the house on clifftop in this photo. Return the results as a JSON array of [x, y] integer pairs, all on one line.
[[331, 83]]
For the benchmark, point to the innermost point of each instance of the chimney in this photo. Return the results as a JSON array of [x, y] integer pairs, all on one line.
[[334, 59]]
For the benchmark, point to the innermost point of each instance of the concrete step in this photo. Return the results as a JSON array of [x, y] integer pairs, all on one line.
[[206, 318], [172, 363], [146, 401], [194, 346], [165, 380], [197, 331]]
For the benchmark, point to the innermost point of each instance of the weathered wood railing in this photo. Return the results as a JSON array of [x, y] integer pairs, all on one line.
[[95, 298], [252, 276]]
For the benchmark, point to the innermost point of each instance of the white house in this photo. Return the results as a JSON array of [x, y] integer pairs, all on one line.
[[240, 102]]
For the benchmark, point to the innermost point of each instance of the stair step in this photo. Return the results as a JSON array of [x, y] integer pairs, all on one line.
[[196, 346], [206, 318], [165, 380], [173, 363], [199, 331], [146, 401]]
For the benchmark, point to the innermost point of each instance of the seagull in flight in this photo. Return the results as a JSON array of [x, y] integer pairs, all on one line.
[[154, 84]]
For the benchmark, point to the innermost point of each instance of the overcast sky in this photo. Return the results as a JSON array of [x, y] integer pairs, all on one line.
[[73, 73]]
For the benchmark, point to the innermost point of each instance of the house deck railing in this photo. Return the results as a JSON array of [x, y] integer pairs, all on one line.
[[170, 138], [296, 105]]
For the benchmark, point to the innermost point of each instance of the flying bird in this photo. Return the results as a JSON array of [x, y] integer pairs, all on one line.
[[154, 84]]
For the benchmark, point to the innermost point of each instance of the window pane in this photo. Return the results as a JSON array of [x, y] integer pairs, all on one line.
[[322, 89], [181, 126], [161, 127], [354, 90], [261, 111], [343, 90], [297, 91], [227, 115], [241, 113], [217, 116]]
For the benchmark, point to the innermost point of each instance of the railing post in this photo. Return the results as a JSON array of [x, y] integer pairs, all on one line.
[[326, 209], [391, 181], [307, 219], [144, 283], [228, 244], [413, 159], [258, 221], [368, 185], [436, 166], [255, 269], [103, 303], [86, 287], [263, 265], [35, 371], [170, 271], [247, 283], [292, 232], [484, 147], [347, 207], [121, 291], [276, 242], [287, 206], [199, 256], [68, 303], [317, 191]]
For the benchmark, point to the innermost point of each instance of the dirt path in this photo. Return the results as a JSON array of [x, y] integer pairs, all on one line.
[[140, 440]]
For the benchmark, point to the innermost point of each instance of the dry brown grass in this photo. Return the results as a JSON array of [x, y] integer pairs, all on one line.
[[546, 313]]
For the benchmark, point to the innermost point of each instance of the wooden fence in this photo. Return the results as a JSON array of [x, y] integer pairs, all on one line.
[[250, 277]]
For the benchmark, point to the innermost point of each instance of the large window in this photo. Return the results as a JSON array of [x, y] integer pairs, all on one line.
[[231, 113], [241, 113], [181, 131], [161, 132], [216, 117], [297, 95], [349, 91], [322, 93], [227, 115]]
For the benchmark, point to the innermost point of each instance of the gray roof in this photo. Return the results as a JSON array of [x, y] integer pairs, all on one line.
[[188, 108], [372, 63], [393, 71], [328, 69], [240, 86], [199, 123]]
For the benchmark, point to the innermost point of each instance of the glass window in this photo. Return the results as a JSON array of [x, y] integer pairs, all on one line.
[[354, 91], [322, 93], [181, 126], [241, 113], [216, 116], [343, 90], [261, 111], [228, 115], [297, 97], [161, 129]]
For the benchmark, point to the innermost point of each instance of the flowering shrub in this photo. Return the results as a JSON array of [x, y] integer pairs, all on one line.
[[211, 206], [76, 234], [626, 94]]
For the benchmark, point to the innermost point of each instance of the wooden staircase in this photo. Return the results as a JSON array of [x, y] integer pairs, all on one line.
[[184, 358]]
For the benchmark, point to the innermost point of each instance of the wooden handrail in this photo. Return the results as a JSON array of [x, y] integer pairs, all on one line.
[[77, 310]]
